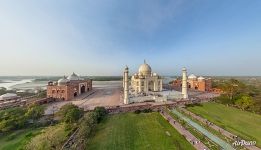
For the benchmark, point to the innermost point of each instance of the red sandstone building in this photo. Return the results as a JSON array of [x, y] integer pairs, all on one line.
[[200, 84], [68, 88]]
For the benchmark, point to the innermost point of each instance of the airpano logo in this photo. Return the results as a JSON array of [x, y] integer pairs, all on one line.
[[244, 143]]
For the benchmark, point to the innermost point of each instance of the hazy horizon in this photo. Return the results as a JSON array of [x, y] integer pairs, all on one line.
[[39, 76], [98, 38]]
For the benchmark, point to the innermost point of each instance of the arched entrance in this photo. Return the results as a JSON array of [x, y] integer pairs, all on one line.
[[151, 86], [83, 89], [75, 94]]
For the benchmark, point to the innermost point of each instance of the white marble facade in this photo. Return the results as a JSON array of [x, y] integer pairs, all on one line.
[[145, 81]]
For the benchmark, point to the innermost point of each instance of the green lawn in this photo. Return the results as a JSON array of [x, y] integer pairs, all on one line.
[[17, 139], [137, 132], [244, 124]]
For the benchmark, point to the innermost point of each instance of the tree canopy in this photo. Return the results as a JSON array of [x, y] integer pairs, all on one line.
[[70, 113]]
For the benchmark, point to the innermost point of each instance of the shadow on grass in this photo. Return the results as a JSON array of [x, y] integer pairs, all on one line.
[[193, 105]]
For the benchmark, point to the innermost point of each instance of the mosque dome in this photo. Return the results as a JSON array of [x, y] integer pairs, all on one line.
[[63, 81], [145, 69], [201, 78], [74, 77], [192, 76]]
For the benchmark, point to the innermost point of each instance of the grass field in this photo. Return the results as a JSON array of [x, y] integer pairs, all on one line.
[[17, 139], [137, 132], [241, 123]]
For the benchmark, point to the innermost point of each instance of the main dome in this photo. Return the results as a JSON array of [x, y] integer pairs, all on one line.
[[145, 69], [74, 77]]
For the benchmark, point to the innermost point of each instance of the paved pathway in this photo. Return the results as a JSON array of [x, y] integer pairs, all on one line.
[[212, 137], [217, 128], [189, 137]]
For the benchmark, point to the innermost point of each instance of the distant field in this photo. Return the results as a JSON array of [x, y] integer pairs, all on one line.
[[137, 132], [17, 139], [244, 124]]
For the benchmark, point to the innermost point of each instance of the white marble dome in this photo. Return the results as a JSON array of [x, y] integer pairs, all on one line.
[[63, 81], [192, 76], [201, 78], [145, 69], [74, 77]]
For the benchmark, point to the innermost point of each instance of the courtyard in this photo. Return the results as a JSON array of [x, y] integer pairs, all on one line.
[[106, 93]]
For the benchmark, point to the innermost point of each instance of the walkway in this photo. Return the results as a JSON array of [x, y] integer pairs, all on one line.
[[217, 128], [189, 137], [212, 137]]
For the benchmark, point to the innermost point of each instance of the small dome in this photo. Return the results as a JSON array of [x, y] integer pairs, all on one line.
[[155, 74], [192, 76], [63, 81], [201, 78], [145, 69], [74, 77]]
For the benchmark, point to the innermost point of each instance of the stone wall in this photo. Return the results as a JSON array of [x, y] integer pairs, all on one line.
[[140, 106]]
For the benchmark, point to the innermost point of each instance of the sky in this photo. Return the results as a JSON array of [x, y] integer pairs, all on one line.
[[101, 37]]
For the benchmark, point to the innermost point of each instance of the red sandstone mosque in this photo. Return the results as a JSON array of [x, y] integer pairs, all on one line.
[[68, 88], [195, 83]]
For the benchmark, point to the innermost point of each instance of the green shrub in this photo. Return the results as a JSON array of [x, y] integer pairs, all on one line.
[[147, 110], [70, 113], [100, 112], [137, 111], [51, 138], [87, 127]]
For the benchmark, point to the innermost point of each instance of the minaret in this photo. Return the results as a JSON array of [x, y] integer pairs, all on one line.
[[123, 81], [184, 83], [126, 85]]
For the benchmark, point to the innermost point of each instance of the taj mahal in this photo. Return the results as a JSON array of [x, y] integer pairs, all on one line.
[[147, 86], [145, 81]]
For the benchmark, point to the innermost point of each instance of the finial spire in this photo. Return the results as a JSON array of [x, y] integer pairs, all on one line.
[[144, 61]]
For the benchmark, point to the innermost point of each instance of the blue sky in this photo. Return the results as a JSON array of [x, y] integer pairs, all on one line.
[[100, 37]]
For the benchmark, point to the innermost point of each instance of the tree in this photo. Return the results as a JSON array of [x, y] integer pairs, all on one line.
[[51, 138], [244, 102], [100, 112], [12, 118], [87, 127], [70, 113], [2, 90], [34, 112], [232, 90]]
